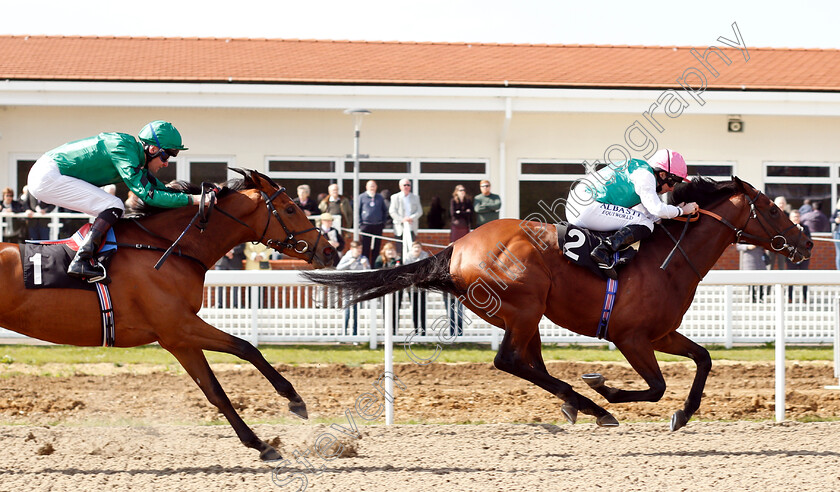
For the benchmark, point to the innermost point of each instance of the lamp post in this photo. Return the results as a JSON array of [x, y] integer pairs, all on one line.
[[357, 115]]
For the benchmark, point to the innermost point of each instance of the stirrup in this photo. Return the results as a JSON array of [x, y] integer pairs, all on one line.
[[103, 277]]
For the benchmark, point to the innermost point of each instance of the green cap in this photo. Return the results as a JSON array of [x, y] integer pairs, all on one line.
[[162, 134]]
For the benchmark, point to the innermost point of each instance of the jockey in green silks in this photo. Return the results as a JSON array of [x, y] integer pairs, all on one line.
[[70, 176], [624, 197]]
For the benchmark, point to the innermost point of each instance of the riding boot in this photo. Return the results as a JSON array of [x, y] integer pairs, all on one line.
[[84, 265], [604, 253]]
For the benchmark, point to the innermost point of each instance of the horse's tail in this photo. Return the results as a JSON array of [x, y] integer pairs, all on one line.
[[430, 273]]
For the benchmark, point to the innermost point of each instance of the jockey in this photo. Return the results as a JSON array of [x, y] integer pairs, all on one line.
[[625, 198], [70, 176]]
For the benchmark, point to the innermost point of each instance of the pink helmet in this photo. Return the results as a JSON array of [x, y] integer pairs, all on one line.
[[668, 160]]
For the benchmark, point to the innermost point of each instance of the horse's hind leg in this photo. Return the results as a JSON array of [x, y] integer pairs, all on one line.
[[193, 361], [207, 337], [678, 344], [520, 354]]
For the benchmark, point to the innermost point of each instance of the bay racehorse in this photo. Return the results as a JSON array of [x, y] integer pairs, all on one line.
[[162, 305], [511, 273]]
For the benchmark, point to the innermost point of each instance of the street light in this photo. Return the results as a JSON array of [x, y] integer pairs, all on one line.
[[357, 115]]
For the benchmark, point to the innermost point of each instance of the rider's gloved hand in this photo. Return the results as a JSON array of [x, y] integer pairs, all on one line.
[[196, 199], [688, 208]]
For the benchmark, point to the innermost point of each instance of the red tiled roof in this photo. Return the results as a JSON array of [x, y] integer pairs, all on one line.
[[395, 63]]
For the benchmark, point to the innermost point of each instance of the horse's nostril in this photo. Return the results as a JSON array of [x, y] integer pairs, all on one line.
[[809, 245]]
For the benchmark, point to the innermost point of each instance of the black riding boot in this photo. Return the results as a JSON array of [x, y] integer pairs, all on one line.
[[84, 265], [604, 253]]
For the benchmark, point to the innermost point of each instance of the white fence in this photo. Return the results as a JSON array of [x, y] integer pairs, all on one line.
[[723, 310], [278, 307]]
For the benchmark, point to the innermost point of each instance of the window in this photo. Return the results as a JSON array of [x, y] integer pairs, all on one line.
[[719, 171], [546, 181], [429, 177], [797, 181]]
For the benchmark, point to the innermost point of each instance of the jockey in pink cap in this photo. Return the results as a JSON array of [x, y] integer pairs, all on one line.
[[624, 197]]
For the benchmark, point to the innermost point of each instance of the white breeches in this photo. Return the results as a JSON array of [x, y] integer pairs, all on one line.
[[46, 183], [604, 217]]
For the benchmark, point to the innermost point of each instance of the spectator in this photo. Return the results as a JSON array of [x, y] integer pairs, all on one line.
[[353, 260], [386, 195], [336, 204], [806, 207], [373, 213], [406, 212], [836, 235], [232, 260], [38, 227], [332, 235], [795, 217], [777, 261], [815, 219], [486, 205], [461, 211], [437, 214], [15, 230], [752, 258], [388, 258], [303, 200], [418, 296]]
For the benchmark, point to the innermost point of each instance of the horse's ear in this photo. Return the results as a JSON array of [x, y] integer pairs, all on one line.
[[739, 185], [240, 171]]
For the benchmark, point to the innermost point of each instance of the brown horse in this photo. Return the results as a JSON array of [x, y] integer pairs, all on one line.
[[161, 305], [512, 273]]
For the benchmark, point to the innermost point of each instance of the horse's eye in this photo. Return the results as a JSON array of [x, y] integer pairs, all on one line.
[[290, 209], [774, 211]]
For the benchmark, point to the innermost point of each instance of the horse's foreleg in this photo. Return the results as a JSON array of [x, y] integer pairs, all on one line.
[[524, 359], [208, 337], [639, 354], [193, 361], [678, 344]]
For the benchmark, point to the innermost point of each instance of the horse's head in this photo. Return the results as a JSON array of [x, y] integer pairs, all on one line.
[[287, 229], [769, 227]]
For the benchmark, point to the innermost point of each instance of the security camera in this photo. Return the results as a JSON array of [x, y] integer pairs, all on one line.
[[735, 125]]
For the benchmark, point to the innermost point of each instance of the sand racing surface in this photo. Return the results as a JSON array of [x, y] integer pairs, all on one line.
[[101, 427]]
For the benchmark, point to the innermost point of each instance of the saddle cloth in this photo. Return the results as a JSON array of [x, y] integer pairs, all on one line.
[[576, 244], [45, 262]]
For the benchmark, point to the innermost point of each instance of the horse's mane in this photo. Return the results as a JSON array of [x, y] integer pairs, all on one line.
[[136, 208], [703, 190]]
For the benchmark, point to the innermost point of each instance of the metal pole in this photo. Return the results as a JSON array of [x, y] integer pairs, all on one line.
[[356, 221], [727, 315], [780, 353], [389, 300], [836, 345]]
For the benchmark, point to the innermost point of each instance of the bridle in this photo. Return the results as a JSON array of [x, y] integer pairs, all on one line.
[[297, 245], [777, 240]]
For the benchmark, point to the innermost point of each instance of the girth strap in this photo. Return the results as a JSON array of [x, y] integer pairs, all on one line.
[[106, 308], [609, 302]]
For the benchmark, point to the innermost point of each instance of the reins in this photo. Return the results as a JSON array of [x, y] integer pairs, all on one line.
[[203, 216], [739, 233]]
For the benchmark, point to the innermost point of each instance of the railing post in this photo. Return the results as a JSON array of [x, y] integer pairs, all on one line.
[[389, 300], [727, 316], [374, 303], [780, 354], [255, 313], [836, 344]]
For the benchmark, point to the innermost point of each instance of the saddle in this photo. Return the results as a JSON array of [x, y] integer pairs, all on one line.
[[576, 244], [45, 262]]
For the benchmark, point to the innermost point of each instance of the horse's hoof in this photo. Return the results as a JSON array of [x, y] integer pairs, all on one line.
[[570, 412], [299, 408], [270, 454], [607, 421], [678, 420], [594, 380]]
